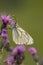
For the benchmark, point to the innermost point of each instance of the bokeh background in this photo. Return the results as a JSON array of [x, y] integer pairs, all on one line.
[[29, 15]]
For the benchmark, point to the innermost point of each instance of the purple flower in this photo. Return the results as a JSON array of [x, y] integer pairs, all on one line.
[[18, 49], [10, 22], [4, 33], [4, 18], [18, 54], [10, 59], [21, 48], [32, 50], [7, 19]]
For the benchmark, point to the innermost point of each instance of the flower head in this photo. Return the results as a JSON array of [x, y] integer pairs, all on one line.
[[21, 48], [32, 50], [4, 33], [10, 59], [4, 18], [18, 49]]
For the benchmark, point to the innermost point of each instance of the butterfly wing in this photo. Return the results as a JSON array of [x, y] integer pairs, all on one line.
[[20, 36]]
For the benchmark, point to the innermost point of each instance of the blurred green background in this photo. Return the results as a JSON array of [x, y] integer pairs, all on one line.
[[29, 15]]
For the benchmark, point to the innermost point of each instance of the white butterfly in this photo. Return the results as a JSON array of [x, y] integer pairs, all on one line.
[[20, 36]]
